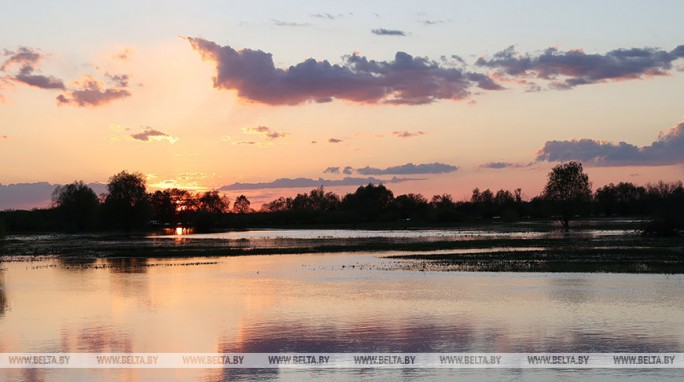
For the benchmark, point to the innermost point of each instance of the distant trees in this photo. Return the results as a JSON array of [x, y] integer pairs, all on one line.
[[77, 206], [317, 200], [126, 204], [666, 208], [622, 199], [568, 189], [3, 229]]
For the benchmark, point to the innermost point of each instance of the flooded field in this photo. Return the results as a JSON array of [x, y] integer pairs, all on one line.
[[404, 294]]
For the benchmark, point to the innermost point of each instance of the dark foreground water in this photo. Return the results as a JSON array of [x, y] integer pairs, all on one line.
[[329, 303]]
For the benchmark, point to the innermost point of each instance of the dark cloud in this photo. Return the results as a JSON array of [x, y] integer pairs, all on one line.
[[33, 195], [501, 165], [91, 92], [405, 80], [347, 170], [150, 134], [264, 131], [388, 32], [334, 140], [306, 182], [409, 168], [667, 150], [568, 69], [38, 80], [27, 59], [21, 57], [407, 134], [88, 92]]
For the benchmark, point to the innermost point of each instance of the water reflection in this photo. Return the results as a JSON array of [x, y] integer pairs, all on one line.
[[4, 303], [127, 264], [320, 303], [95, 339], [76, 263], [437, 234]]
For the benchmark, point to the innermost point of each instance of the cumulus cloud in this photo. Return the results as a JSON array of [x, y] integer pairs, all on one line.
[[388, 32], [91, 92], [404, 80], [334, 140], [407, 134], [667, 150], [22, 66], [332, 170], [409, 168], [307, 182], [348, 170], [265, 132], [27, 60], [150, 134], [567, 69]]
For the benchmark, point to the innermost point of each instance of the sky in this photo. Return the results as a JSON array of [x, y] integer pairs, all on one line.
[[272, 98]]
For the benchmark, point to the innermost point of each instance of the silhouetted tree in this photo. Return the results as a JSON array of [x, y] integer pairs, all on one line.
[[411, 205], [443, 209], [241, 205], [127, 204], [568, 188], [277, 205], [77, 206], [442, 201], [213, 202], [316, 200], [369, 201], [163, 207]]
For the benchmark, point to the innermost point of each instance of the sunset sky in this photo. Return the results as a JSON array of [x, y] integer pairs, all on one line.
[[271, 98]]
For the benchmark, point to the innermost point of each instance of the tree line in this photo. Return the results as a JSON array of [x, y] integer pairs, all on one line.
[[128, 206]]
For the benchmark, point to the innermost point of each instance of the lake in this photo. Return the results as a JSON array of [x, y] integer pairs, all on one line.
[[328, 303]]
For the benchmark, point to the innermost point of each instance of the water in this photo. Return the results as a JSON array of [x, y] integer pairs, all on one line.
[[342, 302], [434, 234]]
